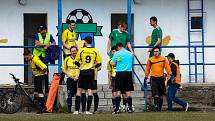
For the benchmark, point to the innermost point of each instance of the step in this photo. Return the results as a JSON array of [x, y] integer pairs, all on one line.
[[105, 96], [196, 64], [196, 10], [197, 74], [196, 52], [195, 30], [196, 42], [196, 0]]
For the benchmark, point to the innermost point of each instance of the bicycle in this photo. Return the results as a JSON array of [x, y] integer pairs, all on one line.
[[11, 101]]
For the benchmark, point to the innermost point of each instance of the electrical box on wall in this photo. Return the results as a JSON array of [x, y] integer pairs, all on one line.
[[22, 2], [137, 1]]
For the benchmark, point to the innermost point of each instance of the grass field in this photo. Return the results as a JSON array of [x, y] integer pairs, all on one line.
[[149, 116]]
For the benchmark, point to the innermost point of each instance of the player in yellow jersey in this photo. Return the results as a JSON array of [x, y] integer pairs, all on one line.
[[39, 73], [95, 94], [112, 77], [68, 38], [87, 59], [72, 72]]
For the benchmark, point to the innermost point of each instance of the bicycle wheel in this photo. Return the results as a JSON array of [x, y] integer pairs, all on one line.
[[11, 102]]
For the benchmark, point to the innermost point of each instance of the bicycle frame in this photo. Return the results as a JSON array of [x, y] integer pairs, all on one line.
[[19, 86]]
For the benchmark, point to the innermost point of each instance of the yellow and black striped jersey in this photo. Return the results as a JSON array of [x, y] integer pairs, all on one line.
[[111, 69], [88, 58], [96, 72], [37, 66], [70, 67], [68, 37]]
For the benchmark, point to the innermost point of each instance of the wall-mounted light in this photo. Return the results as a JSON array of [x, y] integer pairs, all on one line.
[[22, 2]]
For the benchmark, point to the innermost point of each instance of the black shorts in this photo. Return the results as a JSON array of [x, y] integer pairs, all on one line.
[[124, 81], [71, 87], [94, 85], [123, 92], [158, 86], [113, 84], [86, 79], [39, 83]]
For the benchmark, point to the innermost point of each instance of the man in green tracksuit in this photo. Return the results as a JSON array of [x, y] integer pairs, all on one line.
[[156, 36], [119, 35]]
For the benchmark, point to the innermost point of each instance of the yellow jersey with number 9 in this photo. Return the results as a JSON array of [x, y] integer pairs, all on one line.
[[88, 57]]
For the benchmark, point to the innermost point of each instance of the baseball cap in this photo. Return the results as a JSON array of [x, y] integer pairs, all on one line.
[[171, 55], [43, 27]]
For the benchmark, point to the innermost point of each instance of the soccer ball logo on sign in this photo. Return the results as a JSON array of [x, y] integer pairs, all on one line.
[[84, 26], [80, 16]]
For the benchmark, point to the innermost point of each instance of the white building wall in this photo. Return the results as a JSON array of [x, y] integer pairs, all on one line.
[[171, 14]]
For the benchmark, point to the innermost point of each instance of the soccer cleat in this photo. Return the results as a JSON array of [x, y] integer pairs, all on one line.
[[76, 113], [115, 112], [96, 112], [69, 109], [39, 112], [40, 108], [132, 109], [88, 113], [186, 108], [129, 111]]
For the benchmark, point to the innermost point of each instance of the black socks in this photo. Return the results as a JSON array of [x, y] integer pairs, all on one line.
[[129, 99], [156, 103], [160, 103], [77, 103], [69, 104], [83, 101], [118, 100], [96, 101], [89, 102]]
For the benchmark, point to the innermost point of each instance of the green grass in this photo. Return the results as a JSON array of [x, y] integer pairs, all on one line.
[[149, 116]]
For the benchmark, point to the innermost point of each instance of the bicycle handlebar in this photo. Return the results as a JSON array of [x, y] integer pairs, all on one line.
[[12, 75], [14, 78]]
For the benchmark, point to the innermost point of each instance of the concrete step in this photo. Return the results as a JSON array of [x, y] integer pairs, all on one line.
[[138, 108], [108, 102], [105, 98], [105, 95]]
